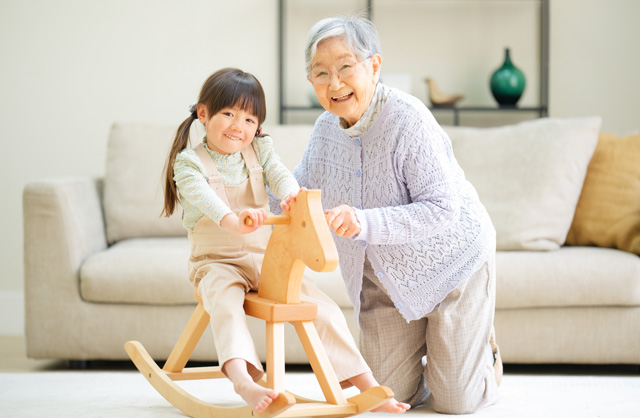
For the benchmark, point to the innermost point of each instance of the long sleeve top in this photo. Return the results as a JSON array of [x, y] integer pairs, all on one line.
[[422, 224], [198, 199]]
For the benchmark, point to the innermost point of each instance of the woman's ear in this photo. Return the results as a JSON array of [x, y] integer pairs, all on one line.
[[202, 113], [376, 63]]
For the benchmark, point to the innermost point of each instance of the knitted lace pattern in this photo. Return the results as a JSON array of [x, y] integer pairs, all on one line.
[[423, 226]]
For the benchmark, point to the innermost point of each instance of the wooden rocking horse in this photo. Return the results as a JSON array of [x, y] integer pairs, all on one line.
[[303, 238]]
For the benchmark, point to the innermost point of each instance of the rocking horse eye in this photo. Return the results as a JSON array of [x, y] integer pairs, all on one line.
[[304, 224]]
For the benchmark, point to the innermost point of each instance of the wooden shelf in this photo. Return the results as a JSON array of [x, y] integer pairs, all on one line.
[[541, 109]]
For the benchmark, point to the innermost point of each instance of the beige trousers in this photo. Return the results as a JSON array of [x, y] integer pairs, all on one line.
[[454, 337], [224, 266]]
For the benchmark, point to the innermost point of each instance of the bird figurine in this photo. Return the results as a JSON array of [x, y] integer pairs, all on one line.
[[438, 98]]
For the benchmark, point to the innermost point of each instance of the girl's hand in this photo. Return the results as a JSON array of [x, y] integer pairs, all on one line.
[[258, 216], [291, 198], [343, 221], [237, 223]]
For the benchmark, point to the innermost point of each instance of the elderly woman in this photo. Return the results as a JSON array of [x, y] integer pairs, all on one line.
[[416, 246]]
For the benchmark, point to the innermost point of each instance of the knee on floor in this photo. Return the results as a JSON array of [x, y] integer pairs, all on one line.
[[453, 406], [458, 401]]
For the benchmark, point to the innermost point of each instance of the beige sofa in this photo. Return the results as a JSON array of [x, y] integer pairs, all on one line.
[[101, 266]]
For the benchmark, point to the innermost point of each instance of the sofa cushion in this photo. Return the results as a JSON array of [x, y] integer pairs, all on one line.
[[608, 211], [134, 184], [141, 270], [153, 271], [570, 276], [528, 176]]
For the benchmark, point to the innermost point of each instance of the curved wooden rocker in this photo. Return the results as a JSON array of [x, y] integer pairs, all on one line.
[[303, 238]]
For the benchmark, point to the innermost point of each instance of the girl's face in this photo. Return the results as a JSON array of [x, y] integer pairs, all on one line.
[[229, 130], [351, 83]]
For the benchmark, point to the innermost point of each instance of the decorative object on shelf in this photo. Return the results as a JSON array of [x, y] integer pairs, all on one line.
[[438, 98], [507, 83]]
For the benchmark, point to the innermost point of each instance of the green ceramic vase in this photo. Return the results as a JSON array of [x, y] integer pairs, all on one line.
[[507, 83]]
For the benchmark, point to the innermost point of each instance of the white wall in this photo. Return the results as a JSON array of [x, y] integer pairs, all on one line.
[[70, 68], [595, 61]]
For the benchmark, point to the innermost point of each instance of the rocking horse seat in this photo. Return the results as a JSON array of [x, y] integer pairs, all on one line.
[[271, 311]]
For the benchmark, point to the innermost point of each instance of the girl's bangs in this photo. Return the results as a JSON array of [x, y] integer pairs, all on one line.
[[250, 99]]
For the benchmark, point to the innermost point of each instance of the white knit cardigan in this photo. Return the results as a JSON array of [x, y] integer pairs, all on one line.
[[423, 226]]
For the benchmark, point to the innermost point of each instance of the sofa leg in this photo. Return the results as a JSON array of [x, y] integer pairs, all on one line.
[[78, 364]]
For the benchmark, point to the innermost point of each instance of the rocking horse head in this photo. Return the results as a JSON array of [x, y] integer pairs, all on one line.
[[304, 241]]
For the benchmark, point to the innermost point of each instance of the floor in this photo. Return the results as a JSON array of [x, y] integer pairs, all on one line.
[[96, 392]]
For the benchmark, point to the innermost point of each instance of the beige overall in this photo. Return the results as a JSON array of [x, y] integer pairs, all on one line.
[[224, 266]]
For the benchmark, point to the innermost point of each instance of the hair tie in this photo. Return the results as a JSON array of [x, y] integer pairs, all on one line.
[[193, 110]]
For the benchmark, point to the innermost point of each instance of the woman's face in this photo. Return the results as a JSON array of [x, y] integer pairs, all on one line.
[[349, 95]]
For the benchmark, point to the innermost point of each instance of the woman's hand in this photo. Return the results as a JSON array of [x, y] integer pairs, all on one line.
[[237, 223], [291, 198], [343, 221]]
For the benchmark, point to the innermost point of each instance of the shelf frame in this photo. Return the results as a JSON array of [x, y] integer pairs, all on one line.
[[542, 110]]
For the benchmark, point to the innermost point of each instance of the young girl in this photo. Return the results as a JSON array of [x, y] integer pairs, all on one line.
[[219, 184]]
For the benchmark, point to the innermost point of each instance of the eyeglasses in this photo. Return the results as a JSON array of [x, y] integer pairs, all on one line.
[[321, 76]]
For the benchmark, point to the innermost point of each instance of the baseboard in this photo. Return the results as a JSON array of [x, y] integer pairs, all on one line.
[[11, 313]]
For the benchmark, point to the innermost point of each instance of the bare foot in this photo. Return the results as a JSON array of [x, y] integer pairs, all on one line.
[[258, 397], [392, 406], [366, 381]]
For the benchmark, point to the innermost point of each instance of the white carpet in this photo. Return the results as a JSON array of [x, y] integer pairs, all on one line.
[[127, 394]]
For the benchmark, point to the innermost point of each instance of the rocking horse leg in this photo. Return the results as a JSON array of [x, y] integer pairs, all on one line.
[[188, 340], [320, 362], [275, 356]]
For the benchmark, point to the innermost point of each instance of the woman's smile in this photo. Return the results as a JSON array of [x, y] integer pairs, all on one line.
[[342, 98]]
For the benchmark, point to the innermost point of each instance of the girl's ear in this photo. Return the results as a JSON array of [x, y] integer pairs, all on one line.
[[259, 132], [202, 113]]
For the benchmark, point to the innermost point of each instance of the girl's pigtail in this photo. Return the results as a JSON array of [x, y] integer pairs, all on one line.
[[179, 143]]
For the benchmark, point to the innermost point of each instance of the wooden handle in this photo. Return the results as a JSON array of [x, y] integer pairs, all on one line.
[[271, 220]]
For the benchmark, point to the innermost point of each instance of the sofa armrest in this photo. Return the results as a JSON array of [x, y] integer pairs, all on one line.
[[63, 225]]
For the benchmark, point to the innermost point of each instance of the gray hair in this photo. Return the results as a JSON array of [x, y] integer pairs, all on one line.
[[359, 33]]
